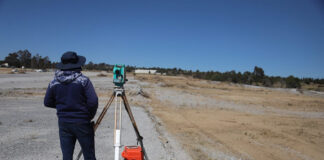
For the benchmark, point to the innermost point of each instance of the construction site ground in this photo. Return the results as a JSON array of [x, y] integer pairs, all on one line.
[[179, 117]]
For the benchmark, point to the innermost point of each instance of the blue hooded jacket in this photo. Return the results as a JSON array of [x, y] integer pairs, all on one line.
[[73, 96]]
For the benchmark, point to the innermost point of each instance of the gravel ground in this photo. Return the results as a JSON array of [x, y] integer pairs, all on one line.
[[29, 131]]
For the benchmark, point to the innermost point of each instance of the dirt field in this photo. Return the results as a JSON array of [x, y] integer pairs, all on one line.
[[215, 120], [29, 131], [180, 118]]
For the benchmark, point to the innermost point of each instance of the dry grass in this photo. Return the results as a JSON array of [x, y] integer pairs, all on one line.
[[26, 92], [5, 70], [270, 135], [314, 87], [9, 71], [101, 75]]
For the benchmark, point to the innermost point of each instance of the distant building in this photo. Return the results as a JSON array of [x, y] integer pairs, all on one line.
[[4, 65], [39, 70], [145, 71]]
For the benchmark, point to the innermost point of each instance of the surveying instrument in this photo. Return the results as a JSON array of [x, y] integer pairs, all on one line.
[[130, 152]]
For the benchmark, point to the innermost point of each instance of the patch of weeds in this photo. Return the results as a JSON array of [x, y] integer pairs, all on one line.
[[143, 93], [28, 121], [101, 75], [22, 72], [33, 137], [166, 85]]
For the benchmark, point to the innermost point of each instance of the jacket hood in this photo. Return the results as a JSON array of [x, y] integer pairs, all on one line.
[[66, 77]]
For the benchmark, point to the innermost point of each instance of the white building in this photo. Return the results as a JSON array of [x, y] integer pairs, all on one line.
[[5, 65], [145, 71]]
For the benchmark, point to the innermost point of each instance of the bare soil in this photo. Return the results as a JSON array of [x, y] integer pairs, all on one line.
[[184, 118], [29, 131], [214, 120]]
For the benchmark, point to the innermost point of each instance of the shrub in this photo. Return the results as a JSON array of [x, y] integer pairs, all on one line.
[[292, 82]]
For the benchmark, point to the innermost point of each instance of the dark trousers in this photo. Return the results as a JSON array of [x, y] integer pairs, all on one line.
[[83, 132]]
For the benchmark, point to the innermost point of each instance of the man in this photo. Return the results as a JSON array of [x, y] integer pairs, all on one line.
[[76, 102]]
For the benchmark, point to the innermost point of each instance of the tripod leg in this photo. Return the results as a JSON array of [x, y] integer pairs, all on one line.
[[130, 114], [102, 114]]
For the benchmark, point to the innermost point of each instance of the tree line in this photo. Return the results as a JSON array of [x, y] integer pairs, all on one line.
[[256, 77], [23, 58]]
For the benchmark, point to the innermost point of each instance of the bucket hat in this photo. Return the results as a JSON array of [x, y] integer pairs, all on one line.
[[70, 60]]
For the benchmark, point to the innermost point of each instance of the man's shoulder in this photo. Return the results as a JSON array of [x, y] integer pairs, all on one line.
[[53, 83], [82, 79]]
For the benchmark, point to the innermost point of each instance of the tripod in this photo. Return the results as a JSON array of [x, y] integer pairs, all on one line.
[[119, 92]]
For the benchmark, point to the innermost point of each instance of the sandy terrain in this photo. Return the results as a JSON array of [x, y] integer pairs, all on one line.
[[28, 130]]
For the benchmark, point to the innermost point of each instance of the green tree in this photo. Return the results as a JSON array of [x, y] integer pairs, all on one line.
[[102, 66], [12, 60], [197, 74], [292, 82], [46, 62], [89, 66], [24, 57], [38, 62], [267, 82], [33, 62], [258, 74]]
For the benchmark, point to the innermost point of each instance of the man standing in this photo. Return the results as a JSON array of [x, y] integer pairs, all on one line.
[[76, 102]]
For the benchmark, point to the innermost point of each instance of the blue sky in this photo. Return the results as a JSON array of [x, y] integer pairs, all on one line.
[[284, 37]]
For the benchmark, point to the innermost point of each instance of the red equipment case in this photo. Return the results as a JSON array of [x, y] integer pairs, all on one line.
[[133, 153]]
